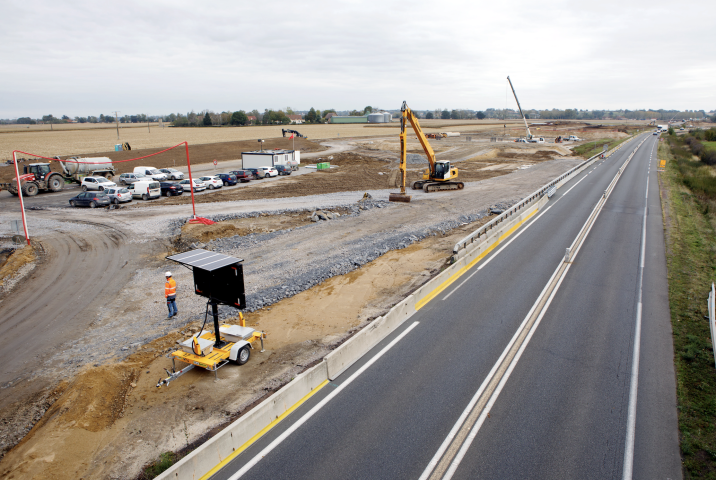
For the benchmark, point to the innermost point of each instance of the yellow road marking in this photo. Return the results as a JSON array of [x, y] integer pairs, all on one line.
[[268, 427], [467, 267]]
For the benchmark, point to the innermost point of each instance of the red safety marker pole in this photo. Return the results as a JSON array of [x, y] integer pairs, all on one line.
[[191, 180], [19, 194]]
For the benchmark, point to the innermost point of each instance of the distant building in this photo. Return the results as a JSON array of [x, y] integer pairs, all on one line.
[[329, 115], [297, 119], [251, 118], [348, 119]]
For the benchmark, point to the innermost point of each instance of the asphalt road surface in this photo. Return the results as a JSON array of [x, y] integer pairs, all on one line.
[[589, 393]]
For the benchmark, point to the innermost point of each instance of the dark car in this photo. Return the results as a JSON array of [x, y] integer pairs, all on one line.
[[256, 172], [283, 169], [171, 188], [227, 178], [243, 176], [90, 199]]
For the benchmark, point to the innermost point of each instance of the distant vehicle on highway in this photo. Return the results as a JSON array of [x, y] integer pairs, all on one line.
[[283, 169], [152, 173], [118, 195], [96, 183], [90, 199], [146, 189], [269, 171], [521, 140], [199, 186], [171, 188], [212, 182], [229, 179], [127, 178], [257, 173], [172, 173], [655, 133]]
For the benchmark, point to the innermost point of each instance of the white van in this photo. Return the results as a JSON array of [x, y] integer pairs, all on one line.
[[152, 173], [145, 189]]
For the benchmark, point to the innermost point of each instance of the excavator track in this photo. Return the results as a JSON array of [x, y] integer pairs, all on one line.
[[439, 186]]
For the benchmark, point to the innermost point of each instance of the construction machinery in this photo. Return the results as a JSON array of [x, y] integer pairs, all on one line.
[[36, 177], [529, 137], [220, 278], [292, 132], [438, 176]]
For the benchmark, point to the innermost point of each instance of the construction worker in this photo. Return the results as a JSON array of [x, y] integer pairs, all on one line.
[[170, 293]]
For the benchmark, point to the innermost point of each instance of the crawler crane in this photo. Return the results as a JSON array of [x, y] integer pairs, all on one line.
[[438, 176]]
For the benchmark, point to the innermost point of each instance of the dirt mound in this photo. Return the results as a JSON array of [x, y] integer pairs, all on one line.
[[16, 261]]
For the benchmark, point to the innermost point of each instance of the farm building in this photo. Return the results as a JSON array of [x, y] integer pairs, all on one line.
[[270, 158], [349, 119], [297, 119]]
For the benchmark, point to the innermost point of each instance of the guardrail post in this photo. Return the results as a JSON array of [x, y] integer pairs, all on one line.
[[566, 255]]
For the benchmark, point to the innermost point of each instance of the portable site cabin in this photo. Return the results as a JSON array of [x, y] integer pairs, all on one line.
[[270, 158]]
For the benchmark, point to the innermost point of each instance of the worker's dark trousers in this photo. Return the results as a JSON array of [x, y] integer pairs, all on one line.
[[172, 306]]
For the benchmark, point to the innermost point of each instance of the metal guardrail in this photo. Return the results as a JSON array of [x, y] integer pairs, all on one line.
[[536, 195], [712, 318]]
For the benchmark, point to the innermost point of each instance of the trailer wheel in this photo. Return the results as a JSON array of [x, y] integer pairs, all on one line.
[[243, 356]]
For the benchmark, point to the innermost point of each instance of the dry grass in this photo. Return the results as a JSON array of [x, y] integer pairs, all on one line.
[[85, 141], [16, 261]]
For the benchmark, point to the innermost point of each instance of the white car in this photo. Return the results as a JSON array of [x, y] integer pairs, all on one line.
[[96, 183], [198, 186], [119, 195], [269, 171], [172, 173], [212, 182]]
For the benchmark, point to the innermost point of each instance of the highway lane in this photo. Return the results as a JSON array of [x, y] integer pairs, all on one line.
[[389, 421], [564, 411]]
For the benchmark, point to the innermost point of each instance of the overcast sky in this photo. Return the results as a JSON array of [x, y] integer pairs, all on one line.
[[82, 58]]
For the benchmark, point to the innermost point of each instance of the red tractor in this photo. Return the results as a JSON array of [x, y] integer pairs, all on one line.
[[36, 177]]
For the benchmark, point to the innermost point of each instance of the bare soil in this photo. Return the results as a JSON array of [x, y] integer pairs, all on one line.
[[111, 420], [15, 261]]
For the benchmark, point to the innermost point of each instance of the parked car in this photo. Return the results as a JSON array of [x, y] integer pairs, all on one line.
[[244, 176], [257, 173], [127, 178], [152, 173], [269, 171], [172, 173], [212, 182], [90, 199], [171, 188], [96, 183], [145, 189], [199, 186], [119, 195], [228, 178], [283, 169]]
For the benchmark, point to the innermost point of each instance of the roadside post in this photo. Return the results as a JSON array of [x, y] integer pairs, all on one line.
[[19, 195], [215, 163]]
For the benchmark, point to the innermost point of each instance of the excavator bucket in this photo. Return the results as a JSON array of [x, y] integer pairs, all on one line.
[[399, 197]]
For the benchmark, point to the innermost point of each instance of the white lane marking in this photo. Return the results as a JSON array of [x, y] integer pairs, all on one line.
[[249, 465], [634, 384], [511, 240], [476, 428]]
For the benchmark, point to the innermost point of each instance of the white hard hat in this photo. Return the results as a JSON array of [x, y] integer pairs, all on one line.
[[168, 274]]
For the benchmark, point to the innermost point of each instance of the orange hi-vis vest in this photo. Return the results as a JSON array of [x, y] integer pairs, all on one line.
[[170, 288]]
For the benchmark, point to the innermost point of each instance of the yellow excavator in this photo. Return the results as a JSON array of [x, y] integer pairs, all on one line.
[[438, 176]]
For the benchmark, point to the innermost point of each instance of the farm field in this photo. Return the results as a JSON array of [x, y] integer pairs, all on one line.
[[78, 139]]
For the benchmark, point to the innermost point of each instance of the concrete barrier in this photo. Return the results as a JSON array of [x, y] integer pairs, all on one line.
[[202, 460], [220, 447]]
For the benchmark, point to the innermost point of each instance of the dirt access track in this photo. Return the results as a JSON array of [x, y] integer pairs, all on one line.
[[88, 383]]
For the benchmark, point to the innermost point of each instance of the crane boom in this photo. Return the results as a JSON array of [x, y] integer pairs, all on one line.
[[529, 135]]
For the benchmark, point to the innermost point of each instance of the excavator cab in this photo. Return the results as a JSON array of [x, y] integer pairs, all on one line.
[[442, 170]]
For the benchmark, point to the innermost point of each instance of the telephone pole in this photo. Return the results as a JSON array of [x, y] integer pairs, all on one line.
[[116, 118]]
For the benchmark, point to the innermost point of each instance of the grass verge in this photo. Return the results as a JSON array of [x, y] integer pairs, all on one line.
[[689, 220], [596, 146]]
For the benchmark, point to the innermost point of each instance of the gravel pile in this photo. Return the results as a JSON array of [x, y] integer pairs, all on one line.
[[282, 278]]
